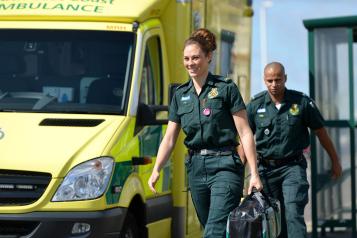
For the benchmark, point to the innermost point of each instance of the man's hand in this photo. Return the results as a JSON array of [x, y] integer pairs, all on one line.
[[336, 169]]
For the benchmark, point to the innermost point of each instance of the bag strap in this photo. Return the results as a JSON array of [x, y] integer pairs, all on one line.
[[266, 198], [254, 190]]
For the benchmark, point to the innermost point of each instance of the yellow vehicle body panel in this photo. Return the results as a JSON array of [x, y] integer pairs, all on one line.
[[106, 10], [99, 26], [36, 152], [162, 228]]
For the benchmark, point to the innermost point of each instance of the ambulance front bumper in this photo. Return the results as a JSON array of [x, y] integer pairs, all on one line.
[[104, 224]]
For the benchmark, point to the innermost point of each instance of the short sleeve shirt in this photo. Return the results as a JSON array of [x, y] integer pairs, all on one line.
[[283, 132], [207, 119]]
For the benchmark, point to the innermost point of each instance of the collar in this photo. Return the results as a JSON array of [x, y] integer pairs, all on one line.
[[210, 80], [287, 97]]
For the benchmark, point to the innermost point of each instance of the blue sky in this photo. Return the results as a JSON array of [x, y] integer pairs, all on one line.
[[287, 37]]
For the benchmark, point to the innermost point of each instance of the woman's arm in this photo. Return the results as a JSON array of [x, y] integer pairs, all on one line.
[[247, 140], [165, 149]]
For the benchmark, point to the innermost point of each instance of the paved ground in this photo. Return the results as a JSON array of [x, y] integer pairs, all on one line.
[[337, 234]]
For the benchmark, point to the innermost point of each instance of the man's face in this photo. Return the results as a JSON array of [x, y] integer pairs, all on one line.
[[274, 79]]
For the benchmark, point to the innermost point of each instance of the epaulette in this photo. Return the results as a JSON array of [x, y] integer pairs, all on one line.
[[223, 79], [259, 95], [297, 92], [183, 85]]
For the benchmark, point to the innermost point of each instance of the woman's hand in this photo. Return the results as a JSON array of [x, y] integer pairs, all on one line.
[[153, 179], [255, 183]]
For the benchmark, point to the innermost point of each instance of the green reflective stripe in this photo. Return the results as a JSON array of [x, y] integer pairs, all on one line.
[[166, 183], [149, 140], [122, 171]]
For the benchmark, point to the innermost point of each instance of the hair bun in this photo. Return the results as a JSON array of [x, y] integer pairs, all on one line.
[[205, 35]]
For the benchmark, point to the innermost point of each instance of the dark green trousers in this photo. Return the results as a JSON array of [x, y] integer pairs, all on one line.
[[288, 184], [216, 184]]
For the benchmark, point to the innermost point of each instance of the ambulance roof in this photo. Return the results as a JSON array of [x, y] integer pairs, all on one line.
[[111, 10]]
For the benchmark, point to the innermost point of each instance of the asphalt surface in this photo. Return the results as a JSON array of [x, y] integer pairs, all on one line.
[[337, 234]]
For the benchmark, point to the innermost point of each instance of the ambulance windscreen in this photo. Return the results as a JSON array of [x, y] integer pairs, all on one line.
[[65, 71]]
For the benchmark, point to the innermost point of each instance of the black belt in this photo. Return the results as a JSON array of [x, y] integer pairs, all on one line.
[[273, 162], [215, 151]]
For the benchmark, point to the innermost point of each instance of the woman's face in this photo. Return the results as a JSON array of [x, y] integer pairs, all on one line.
[[195, 61]]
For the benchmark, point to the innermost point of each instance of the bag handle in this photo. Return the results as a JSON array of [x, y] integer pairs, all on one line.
[[254, 190]]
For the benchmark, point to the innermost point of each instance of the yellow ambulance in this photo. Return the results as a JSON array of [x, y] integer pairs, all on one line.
[[84, 89]]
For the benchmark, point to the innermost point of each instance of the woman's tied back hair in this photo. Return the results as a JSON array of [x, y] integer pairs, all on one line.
[[204, 38]]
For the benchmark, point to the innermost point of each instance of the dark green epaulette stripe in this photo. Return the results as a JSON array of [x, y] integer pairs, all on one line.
[[258, 96]]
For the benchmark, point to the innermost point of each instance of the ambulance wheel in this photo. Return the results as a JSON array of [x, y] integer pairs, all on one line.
[[130, 227]]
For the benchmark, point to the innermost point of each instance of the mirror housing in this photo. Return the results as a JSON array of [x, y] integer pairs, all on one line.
[[147, 114]]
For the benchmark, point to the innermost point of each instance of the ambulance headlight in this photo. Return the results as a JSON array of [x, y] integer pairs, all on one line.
[[88, 180]]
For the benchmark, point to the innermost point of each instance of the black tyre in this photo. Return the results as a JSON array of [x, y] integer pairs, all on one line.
[[130, 227]]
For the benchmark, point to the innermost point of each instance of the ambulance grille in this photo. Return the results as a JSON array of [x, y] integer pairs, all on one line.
[[71, 122], [19, 188], [17, 228]]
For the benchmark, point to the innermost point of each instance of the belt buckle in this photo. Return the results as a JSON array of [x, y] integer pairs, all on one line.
[[203, 152], [277, 163], [270, 163]]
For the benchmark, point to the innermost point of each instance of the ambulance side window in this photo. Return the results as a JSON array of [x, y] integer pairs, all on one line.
[[151, 79]]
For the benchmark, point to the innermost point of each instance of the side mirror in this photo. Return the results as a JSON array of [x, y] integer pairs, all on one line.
[[147, 114]]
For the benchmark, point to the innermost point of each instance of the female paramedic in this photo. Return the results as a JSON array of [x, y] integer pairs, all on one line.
[[211, 112]]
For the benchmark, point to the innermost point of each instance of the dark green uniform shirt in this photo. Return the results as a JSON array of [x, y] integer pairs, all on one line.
[[283, 133], [207, 119]]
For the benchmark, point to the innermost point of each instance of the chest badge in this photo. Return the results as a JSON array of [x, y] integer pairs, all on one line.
[[206, 112], [261, 110], [185, 98], [266, 132], [294, 110], [213, 93]]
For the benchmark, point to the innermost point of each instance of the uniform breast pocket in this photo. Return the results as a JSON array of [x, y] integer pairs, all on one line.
[[263, 127], [216, 105], [185, 112], [294, 123], [294, 120]]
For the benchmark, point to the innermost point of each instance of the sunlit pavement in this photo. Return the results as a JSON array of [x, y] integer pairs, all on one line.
[[337, 234]]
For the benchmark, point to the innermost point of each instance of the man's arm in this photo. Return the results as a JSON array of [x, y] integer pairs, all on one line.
[[326, 142]]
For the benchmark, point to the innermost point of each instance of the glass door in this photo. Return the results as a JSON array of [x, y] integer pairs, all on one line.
[[331, 52]]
